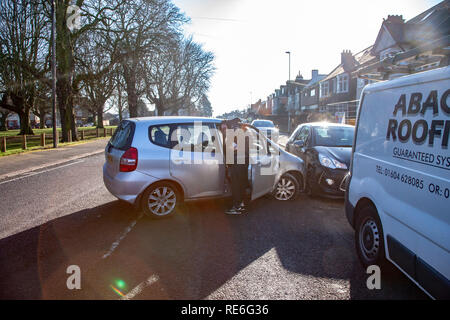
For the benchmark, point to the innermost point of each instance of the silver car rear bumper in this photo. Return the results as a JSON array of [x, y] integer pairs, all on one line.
[[127, 186]]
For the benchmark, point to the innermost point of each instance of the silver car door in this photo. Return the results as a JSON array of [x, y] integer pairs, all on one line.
[[195, 160], [263, 166]]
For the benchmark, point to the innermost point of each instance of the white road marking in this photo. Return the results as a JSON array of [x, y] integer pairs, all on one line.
[[36, 173], [122, 236], [138, 289]]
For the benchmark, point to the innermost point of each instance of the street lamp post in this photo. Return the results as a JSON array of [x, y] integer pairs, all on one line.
[[55, 136], [289, 53], [289, 110]]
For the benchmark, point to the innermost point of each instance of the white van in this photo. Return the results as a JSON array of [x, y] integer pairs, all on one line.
[[398, 193]]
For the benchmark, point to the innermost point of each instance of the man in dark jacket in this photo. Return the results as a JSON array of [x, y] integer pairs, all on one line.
[[238, 169]]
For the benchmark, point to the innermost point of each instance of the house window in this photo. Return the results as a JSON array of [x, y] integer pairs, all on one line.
[[313, 92], [342, 83], [334, 84], [324, 89]]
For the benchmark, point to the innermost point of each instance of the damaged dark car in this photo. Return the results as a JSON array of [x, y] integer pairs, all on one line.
[[326, 150]]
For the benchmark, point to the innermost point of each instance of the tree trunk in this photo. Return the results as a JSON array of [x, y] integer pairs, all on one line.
[[64, 73], [42, 119], [119, 103], [73, 120], [100, 117], [159, 107], [4, 116], [120, 114], [25, 127], [130, 80], [65, 121]]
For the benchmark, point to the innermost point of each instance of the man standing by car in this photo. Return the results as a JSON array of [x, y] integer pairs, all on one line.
[[238, 169]]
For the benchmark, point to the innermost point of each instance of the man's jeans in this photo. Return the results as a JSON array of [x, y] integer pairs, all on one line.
[[239, 183]]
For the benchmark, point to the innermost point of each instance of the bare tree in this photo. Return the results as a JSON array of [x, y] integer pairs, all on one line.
[[119, 97], [205, 107], [23, 56], [140, 29], [178, 76], [97, 75], [95, 16]]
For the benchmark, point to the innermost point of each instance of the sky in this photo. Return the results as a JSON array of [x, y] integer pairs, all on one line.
[[249, 39]]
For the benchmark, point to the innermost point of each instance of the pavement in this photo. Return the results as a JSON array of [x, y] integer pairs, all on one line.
[[22, 163]]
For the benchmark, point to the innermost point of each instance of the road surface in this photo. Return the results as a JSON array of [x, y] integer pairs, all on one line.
[[63, 215]]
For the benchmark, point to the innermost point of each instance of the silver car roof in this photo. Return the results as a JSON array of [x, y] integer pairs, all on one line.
[[173, 119]]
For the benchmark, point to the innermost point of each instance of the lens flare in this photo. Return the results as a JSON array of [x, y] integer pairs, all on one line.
[[119, 285], [117, 291]]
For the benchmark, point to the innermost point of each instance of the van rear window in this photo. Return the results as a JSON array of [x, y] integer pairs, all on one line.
[[123, 136]]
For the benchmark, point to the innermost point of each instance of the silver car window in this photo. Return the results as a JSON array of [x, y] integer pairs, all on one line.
[[196, 138], [159, 135], [122, 136]]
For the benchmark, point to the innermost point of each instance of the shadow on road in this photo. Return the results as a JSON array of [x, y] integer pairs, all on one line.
[[192, 254]]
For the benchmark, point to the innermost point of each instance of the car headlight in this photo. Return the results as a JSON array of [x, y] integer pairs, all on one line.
[[331, 162]]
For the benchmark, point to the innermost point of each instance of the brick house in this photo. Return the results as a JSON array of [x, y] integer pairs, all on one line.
[[338, 90], [310, 93], [294, 90], [402, 48]]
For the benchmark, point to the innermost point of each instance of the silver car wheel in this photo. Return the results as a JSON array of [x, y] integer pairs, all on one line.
[[162, 201], [285, 189], [369, 239]]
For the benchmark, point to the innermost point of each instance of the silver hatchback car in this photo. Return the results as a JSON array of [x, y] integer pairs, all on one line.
[[145, 167]]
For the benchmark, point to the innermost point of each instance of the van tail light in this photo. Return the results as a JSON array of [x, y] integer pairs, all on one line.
[[129, 160]]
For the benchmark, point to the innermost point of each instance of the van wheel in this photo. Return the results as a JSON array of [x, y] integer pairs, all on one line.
[[287, 188], [369, 240], [160, 200]]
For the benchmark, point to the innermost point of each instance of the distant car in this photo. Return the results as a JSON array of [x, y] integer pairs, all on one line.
[[90, 124], [326, 150], [268, 128], [145, 166]]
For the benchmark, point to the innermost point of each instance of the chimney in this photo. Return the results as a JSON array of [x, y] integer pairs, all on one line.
[[314, 74], [347, 60], [395, 19], [299, 76]]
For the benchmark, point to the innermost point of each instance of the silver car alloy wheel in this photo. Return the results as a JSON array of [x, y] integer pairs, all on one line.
[[369, 239], [285, 189], [162, 201]]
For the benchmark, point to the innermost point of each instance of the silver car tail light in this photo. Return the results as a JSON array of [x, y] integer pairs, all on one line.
[[129, 160]]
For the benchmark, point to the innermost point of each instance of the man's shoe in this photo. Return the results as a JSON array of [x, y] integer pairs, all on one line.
[[233, 211], [242, 209]]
